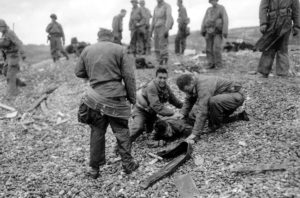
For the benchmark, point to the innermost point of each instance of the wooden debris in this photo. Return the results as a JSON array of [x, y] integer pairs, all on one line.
[[38, 102], [259, 168], [155, 156], [10, 115], [187, 187], [7, 107]]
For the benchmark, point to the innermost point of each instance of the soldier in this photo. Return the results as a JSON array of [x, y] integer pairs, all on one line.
[[210, 98], [76, 47], [107, 100], [183, 21], [162, 22], [274, 14], [151, 102], [117, 26], [57, 38], [214, 28], [147, 40], [12, 49], [137, 25]]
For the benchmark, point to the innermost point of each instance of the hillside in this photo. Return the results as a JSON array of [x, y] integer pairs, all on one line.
[[36, 53]]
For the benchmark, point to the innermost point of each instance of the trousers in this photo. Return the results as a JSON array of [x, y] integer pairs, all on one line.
[[214, 50]]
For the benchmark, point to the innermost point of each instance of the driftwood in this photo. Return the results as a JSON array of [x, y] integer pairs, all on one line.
[[42, 98], [259, 168], [7, 107]]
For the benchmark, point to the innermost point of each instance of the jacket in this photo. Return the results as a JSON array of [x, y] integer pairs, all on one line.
[[55, 29], [215, 21], [137, 19], [154, 98], [162, 16], [109, 70], [10, 43], [117, 26]]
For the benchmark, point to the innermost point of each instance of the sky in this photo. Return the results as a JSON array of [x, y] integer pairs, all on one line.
[[83, 18]]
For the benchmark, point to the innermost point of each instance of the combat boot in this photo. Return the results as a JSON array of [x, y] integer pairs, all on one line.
[[93, 172]]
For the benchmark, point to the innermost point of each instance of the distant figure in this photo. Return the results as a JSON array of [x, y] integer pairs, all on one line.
[[57, 38], [108, 99], [210, 98], [183, 31], [12, 50], [117, 26], [214, 28], [76, 47], [146, 43], [137, 25], [162, 23], [279, 17]]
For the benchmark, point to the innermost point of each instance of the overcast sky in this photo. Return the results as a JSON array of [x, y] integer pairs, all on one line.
[[82, 18]]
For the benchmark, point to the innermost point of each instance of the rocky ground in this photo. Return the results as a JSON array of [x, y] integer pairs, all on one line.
[[44, 153]]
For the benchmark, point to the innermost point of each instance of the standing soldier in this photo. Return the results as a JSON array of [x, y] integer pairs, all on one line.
[[147, 40], [183, 21], [214, 28], [162, 22], [277, 16], [137, 25], [57, 38], [12, 49], [117, 26], [107, 101]]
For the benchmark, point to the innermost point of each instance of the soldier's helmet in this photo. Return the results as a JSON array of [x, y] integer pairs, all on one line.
[[74, 40], [2, 23], [105, 33], [134, 1], [53, 16]]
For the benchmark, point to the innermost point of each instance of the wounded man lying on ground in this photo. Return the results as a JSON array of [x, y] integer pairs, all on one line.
[[169, 129]]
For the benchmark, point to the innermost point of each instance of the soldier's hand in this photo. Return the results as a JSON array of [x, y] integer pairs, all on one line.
[[225, 35], [191, 139], [166, 34], [263, 28], [203, 34], [178, 116]]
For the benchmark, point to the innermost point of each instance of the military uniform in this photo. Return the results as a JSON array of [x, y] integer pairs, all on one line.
[[117, 27], [213, 99], [274, 14], [162, 22], [146, 44], [137, 25], [12, 48], [56, 36], [214, 28], [145, 114], [180, 40], [107, 102]]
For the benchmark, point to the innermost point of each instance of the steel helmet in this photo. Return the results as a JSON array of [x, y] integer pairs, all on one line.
[[53, 16], [2, 23]]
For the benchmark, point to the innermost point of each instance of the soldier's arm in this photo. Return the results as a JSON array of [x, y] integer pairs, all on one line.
[[185, 16], [14, 39], [201, 113], [80, 68], [296, 13], [225, 21], [154, 102], [203, 30], [144, 17], [62, 32], [48, 28], [263, 12], [187, 105], [127, 72], [169, 20], [173, 100]]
